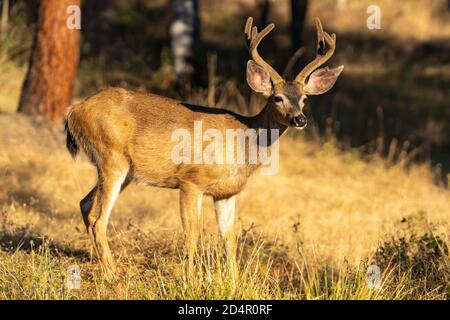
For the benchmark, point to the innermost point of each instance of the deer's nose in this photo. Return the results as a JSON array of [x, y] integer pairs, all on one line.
[[299, 121]]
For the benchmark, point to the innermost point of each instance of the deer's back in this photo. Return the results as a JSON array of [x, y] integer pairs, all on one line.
[[140, 126]]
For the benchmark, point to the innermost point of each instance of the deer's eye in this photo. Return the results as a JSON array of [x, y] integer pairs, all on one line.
[[303, 98], [277, 99]]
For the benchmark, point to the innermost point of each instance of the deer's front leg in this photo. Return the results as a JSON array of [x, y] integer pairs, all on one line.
[[191, 213], [225, 209]]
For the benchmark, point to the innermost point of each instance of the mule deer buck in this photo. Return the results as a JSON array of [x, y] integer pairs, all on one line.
[[127, 136]]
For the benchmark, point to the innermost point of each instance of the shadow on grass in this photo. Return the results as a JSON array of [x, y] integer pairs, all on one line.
[[21, 241]]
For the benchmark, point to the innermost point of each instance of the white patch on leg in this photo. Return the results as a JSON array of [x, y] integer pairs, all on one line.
[[225, 214], [120, 178], [199, 203]]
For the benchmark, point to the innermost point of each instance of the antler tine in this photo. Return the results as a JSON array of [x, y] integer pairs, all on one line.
[[321, 57], [320, 38], [248, 30], [253, 38]]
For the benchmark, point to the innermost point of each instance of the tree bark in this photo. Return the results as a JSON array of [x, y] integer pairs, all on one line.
[[4, 20], [264, 9], [48, 86], [185, 35], [298, 12]]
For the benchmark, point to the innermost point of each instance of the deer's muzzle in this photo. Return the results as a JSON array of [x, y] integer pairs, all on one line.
[[299, 122]]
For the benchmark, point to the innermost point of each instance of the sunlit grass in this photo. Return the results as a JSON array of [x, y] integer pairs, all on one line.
[[41, 274], [309, 232]]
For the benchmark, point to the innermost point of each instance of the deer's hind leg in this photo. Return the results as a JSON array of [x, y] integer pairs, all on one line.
[[191, 214], [113, 176]]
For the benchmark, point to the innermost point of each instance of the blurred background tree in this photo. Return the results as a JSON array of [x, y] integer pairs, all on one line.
[[264, 8], [298, 20], [185, 39], [4, 18]]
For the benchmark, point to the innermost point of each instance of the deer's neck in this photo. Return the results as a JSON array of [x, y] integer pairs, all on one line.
[[266, 119], [268, 132]]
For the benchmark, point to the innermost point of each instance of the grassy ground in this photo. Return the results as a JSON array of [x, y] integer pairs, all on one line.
[[307, 232], [310, 232]]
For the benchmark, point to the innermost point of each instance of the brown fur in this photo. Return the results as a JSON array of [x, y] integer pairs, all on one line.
[[137, 127]]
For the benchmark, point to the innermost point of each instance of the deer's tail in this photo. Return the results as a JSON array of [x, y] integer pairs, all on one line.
[[71, 143]]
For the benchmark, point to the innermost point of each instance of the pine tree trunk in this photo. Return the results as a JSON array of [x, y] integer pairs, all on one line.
[[49, 83]]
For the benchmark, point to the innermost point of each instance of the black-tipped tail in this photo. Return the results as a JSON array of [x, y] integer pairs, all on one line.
[[71, 143]]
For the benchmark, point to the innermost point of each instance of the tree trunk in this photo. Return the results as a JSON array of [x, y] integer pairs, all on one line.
[[4, 20], [264, 9], [298, 12], [49, 83], [31, 8], [185, 34]]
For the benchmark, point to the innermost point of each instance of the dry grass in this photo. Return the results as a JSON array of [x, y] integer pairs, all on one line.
[[11, 77], [308, 232]]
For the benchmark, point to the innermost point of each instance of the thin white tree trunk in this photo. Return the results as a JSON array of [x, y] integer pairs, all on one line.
[[4, 21], [182, 33]]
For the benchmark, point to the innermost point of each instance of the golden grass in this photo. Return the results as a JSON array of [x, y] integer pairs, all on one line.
[[308, 232], [11, 78]]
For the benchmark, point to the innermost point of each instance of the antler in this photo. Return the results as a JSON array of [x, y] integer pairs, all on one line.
[[321, 57], [253, 38]]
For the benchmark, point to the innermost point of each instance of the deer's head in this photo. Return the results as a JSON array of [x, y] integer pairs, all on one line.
[[287, 98]]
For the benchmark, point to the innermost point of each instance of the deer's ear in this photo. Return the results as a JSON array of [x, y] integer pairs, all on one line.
[[322, 80], [258, 78]]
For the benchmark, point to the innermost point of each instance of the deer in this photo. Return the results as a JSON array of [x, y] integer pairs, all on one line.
[[127, 137]]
